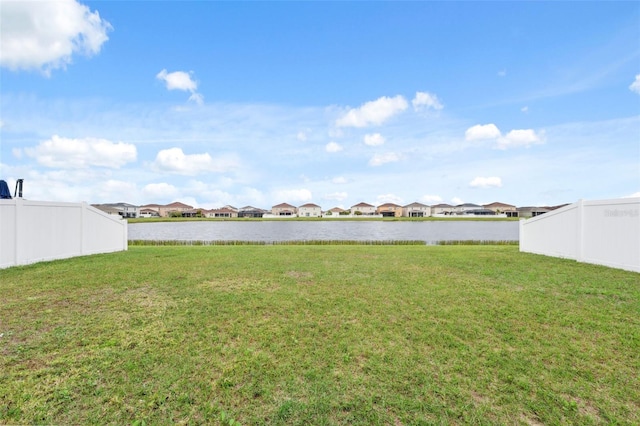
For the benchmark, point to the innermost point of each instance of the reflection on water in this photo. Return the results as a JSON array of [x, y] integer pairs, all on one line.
[[284, 230]]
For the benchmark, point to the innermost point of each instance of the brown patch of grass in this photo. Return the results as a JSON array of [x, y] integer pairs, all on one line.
[[237, 284]]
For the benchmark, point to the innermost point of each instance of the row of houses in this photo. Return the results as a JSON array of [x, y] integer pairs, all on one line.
[[284, 210]]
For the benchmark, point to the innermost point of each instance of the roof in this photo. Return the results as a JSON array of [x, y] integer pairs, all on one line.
[[362, 205], [389, 205], [105, 208], [337, 210], [497, 204], [442, 205], [525, 208], [468, 205], [283, 206], [416, 204], [309, 205], [179, 205], [222, 210]]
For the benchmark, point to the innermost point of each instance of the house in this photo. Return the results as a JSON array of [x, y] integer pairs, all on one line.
[[527, 212], [480, 212], [309, 210], [146, 212], [464, 208], [502, 208], [150, 207], [336, 211], [223, 212], [124, 209], [416, 210], [389, 210], [363, 209], [442, 209], [192, 213], [107, 209], [530, 211], [173, 208], [250, 211], [284, 209]]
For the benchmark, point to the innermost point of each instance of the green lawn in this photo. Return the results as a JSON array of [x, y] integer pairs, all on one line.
[[319, 335]]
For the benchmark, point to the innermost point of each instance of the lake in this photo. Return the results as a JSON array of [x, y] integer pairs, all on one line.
[[268, 231]]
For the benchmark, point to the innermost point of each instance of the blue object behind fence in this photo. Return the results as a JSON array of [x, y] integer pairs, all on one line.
[[4, 190]]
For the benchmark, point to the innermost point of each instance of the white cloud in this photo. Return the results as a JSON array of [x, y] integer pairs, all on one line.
[[634, 195], [197, 98], [481, 132], [486, 182], [373, 112], [516, 138], [113, 189], [160, 190], [389, 198], [375, 139], [428, 100], [635, 86], [178, 80], [301, 136], [45, 35], [456, 201], [181, 80], [252, 196], [525, 109], [333, 147], [502, 73], [81, 153], [17, 152], [339, 180], [293, 195], [338, 196], [431, 199], [387, 157], [174, 160]]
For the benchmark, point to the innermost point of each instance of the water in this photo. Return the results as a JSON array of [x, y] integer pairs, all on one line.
[[428, 231]]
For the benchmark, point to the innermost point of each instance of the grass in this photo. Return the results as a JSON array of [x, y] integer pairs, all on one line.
[[281, 334]]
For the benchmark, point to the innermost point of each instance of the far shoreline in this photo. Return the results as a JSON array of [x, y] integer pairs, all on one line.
[[321, 219]]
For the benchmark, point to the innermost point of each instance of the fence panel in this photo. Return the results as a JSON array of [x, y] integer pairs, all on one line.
[[612, 233], [604, 232], [34, 231]]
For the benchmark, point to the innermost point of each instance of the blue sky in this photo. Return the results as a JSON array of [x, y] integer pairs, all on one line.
[[335, 103]]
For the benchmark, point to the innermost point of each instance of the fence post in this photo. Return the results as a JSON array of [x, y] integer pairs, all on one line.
[[19, 207], [83, 208], [125, 238], [580, 232]]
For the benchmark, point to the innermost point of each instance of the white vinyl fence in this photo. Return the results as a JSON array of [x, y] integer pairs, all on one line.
[[34, 231], [604, 232]]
